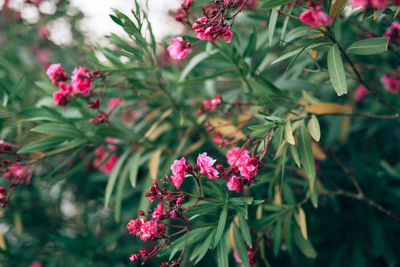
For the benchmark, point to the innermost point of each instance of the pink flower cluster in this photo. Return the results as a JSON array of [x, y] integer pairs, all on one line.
[[315, 17], [205, 163], [101, 154], [391, 82], [209, 105], [244, 166], [178, 169], [360, 93], [3, 196], [18, 173], [81, 81], [146, 229], [209, 30], [179, 48], [393, 32], [375, 4]]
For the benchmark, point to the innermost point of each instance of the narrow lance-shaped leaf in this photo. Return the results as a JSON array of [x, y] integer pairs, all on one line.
[[313, 128], [305, 153], [221, 225], [336, 71], [369, 46], [289, 133], [272, 23], [240, 246], [244, 229], [113, 177], [134, 168], [222, 254]]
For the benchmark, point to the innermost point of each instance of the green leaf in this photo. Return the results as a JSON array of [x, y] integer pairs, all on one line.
[[273, 3], [272, 24], [369, 46], [288, 233], [240, 246], [305, 153], [222, 254], [244, 230], [41, 145], [134, 168], [304, 246], [277, 237], [194, 235], [113, 177], [313, 128], [205, 247], [295, 155], [119, 192], [289, 133], [194, 62], [336, 71], [299, 50], [221, 226], [58, 129]]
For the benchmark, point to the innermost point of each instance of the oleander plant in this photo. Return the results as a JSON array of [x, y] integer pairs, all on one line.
[[266, 134]]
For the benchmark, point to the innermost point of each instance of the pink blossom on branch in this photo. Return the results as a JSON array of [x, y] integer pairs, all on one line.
[[101, 155], [151, 230], [315, 17], [391, 83], [393, 32], [205, 163], [179, 48], [56, 73], [234, 184], [233, 155], [360, 93], [376, 4], [178, 169], [159, 211], [81, 81], [61, 96]]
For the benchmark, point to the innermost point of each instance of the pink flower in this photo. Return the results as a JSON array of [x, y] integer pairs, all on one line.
[[178, 169], [226, 34], [179, 49], [360, 3], [315, 17], [3, 194], [44, 32], [56, 73], [18, 173], [134, 226], [233, 155], [159, 212], [134, 257], [81, 81], [151, 230], [61, 96], [199, 27], [234, 184], [393, 32], [35, 264], [248, 167], [113, 102], [360, 93], [376, 4], [205, 164], [379, 4], [391, 83], [216, 101], [100, 155]]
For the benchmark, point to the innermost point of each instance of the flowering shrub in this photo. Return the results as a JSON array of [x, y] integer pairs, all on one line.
[[240, 142]]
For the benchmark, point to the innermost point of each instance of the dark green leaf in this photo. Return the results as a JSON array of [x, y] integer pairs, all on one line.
[[369, 46], [221, 226], [240, 246], [305, 153], [336, 71]]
